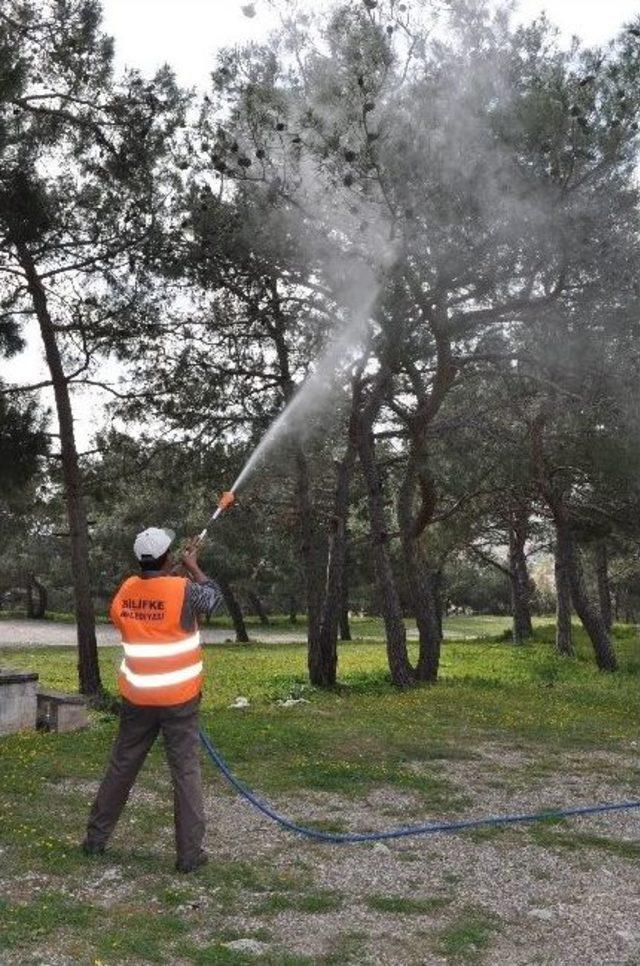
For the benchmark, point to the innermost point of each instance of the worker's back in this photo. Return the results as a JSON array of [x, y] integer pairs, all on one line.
[[162, 663]]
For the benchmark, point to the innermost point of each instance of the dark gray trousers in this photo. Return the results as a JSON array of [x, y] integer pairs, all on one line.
[[139, 728]]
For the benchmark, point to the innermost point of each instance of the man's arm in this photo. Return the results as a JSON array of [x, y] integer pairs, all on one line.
[[203, 595]]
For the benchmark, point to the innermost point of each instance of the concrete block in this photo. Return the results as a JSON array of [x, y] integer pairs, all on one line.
[[58, 711], [17, 700]]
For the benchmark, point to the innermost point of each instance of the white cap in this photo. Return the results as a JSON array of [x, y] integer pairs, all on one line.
[[152, 543]]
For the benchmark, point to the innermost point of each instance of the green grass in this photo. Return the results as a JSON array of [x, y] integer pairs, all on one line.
[[364, 735], [580, 841], [348, 947], [406, 906], [468, 937], [219, 955], [42, 917], [366, 732], [311, 902], [137, 935]]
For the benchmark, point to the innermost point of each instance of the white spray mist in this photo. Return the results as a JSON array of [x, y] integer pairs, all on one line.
[[345, 234]]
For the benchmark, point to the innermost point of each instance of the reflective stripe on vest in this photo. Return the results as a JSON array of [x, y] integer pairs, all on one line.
[[162, 663], [162, 650], [161, 680]]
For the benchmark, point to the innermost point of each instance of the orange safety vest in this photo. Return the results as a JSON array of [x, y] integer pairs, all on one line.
[[162, 662]]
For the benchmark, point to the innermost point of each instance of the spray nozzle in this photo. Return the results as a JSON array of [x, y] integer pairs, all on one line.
[[227, 499]]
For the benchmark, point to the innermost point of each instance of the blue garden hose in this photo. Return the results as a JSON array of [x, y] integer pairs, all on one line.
[[399, 833]]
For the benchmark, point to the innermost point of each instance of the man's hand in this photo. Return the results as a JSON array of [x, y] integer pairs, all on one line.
[[189, 556], [189, 561]]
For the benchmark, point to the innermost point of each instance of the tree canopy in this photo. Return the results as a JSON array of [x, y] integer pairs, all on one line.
[[411, 227]]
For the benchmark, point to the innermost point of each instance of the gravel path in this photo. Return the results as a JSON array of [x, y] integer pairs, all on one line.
[[533, 896], [21, 633], [570, 901], [18, 633]]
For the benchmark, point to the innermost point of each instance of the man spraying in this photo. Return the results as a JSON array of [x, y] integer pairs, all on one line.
[[160, 681]]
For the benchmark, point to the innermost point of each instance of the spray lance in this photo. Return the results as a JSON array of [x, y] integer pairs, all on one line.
[[227, 499]]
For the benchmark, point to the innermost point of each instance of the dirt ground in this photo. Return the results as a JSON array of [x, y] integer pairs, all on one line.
[[564, 894]]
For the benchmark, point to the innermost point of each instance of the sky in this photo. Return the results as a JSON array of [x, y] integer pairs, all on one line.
[[187, 34]]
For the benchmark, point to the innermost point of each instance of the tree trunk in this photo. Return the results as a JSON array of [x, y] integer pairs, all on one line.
[[588, 614], [29, 595], [429, 626], [258, 606], [310, 553], [616, 605], [235, 611], [88, 666], [323, 665], [418, 574], [629, 609], [402, 673], [564, 638], [604, 587], [345, 626], [309, 548], [430, 396], [36, 611], [293, 611], [519, 575], [437, 596]]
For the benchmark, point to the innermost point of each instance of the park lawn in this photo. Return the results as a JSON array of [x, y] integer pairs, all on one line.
[[364, 736]]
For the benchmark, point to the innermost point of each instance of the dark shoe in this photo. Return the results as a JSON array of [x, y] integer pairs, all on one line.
[[191, 865], [89, 848]]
